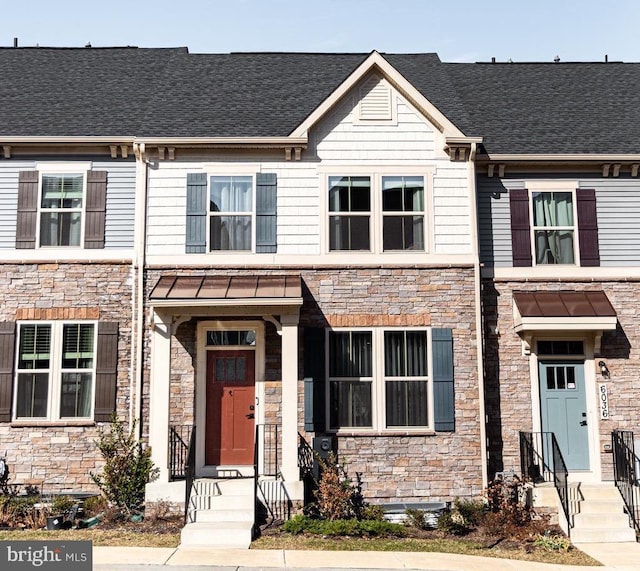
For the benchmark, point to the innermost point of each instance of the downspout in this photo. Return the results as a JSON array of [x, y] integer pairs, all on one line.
[[135, 402], [479, 320]]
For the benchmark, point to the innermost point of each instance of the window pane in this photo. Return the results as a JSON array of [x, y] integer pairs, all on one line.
[[552, 209], [349, 233], [350, 404], [60, 228], [406, 403], [350, 354], [35, 347], [403, 233], [33, 390], [231, 337], [349, 194], [231, 194], [554, 246], [230, 233], [77, 346], [405, 353], [76, 395], [402, 193], [62, 191]]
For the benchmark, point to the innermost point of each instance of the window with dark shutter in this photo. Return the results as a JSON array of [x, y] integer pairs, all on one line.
[[96, 207], [314, 382], [588, 227], [520, 227], [266, 212], [196, 224], [7, 354], [106, 371], [27, 209], [443, 380]]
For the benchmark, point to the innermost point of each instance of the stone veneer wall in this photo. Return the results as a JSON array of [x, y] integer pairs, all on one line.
[[508, 382], [58, 457], [393, 466]]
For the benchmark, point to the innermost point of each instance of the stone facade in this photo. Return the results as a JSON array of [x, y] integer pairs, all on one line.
[[58, 457], [508, 378]]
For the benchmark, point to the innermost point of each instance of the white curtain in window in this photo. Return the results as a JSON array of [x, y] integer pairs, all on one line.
[[553, 209]]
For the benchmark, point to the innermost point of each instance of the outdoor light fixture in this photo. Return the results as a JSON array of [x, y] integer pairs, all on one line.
[[603, 369]]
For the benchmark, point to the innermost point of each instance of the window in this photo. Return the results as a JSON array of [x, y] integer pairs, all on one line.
[[231, 213], [403, 213], [61, 207], [377, 213], [379, 379], [55, 372], [349, 212], [553, 227]]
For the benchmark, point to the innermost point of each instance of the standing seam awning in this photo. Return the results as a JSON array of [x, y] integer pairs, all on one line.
[[270, 290]]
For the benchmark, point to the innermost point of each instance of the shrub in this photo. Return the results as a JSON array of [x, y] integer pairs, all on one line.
[[338, 527], [62, 505], [416, 518], [372, 512], [93, 505], [507, 511], [128, 468], [337, 496], [552, 542]]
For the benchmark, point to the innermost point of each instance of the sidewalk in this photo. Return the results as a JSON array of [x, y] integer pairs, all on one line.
[[614, 556]]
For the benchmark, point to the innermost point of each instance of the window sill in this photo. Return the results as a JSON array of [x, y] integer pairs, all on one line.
[[50, 423], [383, 433]]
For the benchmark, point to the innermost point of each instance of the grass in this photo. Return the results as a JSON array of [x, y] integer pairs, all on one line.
[[99, 537], [440, 545]]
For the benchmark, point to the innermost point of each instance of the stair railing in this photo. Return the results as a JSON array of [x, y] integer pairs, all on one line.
[[189, 471], [178, 450], [541, 460], [626, 470], [271, 493]]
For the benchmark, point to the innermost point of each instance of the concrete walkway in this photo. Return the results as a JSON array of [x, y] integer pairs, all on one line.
[[614, 557]]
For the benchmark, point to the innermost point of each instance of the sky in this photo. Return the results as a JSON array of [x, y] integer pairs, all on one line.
[[457, 30]]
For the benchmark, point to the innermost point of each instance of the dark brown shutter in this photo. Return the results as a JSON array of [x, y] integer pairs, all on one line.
[[27, 209], [7, 355], [520, 227], [95, 210], [588, 227], [106, 370]]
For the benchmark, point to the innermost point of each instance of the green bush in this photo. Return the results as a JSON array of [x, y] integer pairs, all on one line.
[[416, 518], [128, 468], [552, 542], [62, 505], [339, 527]]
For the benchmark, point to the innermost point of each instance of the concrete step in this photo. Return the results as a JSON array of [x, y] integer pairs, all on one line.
[[230, 515], [226, 535], [222, 502], [602, 535], [601, 506], [608, 520], [599, 492]]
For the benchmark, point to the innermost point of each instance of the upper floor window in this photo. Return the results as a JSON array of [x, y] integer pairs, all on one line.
[[376, 213], [231, 213], [55, 370], [553, 227], [61, 209]]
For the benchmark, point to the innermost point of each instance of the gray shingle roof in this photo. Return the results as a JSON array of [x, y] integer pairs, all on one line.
[[517, 108]]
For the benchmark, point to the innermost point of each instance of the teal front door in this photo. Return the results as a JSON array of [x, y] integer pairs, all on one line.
[[564, 411]]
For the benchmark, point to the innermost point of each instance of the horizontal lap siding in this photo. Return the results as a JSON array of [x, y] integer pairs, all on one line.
[[9, 171]]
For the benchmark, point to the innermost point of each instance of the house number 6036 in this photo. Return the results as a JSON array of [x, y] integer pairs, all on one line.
[[604, 401]]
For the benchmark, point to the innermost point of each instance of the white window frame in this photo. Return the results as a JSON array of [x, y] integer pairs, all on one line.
[[55, 372], [554, 186], [376, 213], [378, 384]]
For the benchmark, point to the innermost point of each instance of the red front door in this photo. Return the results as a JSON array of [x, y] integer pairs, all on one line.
[[230, 408]]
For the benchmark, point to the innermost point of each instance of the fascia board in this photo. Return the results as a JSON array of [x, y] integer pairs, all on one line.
[[607, 323]]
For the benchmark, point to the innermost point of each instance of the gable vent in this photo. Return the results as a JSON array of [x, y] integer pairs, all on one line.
[[375, 101]]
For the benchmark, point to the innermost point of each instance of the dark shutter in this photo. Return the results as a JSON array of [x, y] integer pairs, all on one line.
[[196, 236], [266, 212], [106, 370], [314, 382], [7, 353], [520, 227], [443, 393], [96, 209], [588, 227], [27, 209]]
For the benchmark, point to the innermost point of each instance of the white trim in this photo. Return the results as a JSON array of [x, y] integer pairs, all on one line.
[[377, 61], [203, 470], [68, 254], [594, 157], [54, 167], [563, 273]]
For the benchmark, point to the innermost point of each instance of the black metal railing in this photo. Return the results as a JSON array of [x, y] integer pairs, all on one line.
[[268, 448], [189, 471], [305, 456], [178, 450], [541, 461], [626, 466]]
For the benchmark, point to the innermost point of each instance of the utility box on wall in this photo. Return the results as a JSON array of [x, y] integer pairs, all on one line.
[[322, 446]]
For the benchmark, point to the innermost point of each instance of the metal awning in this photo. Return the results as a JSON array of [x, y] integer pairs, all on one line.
[[546, 311], [271, 290]]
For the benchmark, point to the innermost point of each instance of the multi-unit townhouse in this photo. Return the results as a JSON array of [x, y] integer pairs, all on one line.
[[410, 261]]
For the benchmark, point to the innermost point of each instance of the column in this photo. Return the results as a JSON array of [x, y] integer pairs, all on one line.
[[290, 470]]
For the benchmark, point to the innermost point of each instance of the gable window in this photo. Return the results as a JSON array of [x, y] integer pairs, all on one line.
[[231, 212], [349, 212], [553, 227], [55, 372], [61, 207], [403, 213]]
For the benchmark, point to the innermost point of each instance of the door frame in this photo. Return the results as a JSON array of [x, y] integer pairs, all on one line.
[[594, 474], [203, 470]]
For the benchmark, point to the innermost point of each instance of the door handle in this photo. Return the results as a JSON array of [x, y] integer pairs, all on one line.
[[583, 423], [251, 415]]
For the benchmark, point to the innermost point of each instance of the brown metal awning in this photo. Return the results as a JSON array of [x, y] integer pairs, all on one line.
[[562, 311], [228, 290]]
